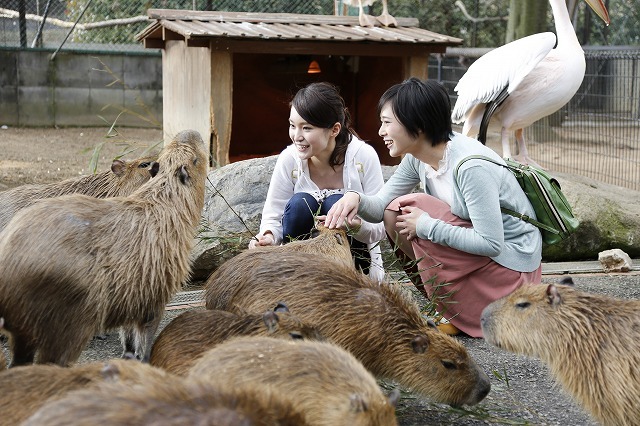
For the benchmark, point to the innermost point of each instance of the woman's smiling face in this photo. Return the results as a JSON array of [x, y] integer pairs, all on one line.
[[310, 140], [394, 134]]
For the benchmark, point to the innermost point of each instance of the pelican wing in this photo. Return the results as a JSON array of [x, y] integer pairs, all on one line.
[[505, 66]]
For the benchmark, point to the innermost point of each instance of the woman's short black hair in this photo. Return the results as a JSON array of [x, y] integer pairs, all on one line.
[[321, 105], [420, 106]]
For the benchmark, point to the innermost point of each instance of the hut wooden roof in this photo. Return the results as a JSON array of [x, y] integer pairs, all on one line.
[[286, 32]]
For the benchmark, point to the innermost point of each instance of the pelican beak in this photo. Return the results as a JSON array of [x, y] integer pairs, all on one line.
[[600, 9]]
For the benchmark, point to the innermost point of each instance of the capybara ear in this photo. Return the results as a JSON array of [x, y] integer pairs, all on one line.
[[357, 403], [553, 295], [394, 397], [340, 239], [314, 232], [431, 323], [567, 281], [155, 167], [420, 344], [118, 167], [281, 307], [270, 319], [110, 372]]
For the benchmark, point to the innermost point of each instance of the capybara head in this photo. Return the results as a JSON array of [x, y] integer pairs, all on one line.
[[281, 323], [322, 379], [130, 175], [591, 343], [523, 321], [171, 402], [330, 242]]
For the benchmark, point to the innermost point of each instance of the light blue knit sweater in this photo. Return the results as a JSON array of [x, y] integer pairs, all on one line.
[[482, 188]]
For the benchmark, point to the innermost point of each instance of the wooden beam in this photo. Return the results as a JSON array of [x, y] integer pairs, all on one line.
[[221, 105], [326, 48], [417, 66]]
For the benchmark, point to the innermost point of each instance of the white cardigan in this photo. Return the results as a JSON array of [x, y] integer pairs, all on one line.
[[361, 172]]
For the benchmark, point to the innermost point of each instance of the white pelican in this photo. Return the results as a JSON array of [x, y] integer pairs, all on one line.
[[368, 20], [523, 81]]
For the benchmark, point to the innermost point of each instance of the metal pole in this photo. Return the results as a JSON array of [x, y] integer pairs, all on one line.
[[38, 38], [22, 22], [53, 55]]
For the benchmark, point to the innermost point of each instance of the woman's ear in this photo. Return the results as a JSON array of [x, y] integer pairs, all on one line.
[[336, 129]]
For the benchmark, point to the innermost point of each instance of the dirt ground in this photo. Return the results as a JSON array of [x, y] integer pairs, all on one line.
[[522, 391]]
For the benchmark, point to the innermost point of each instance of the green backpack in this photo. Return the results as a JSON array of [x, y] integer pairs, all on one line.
[[554, 216]]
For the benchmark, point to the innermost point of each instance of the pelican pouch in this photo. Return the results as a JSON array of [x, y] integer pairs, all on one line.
[[554, 216]]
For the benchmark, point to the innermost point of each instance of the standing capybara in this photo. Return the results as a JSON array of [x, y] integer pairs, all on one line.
[[175, 402], [73, 266], [378, 323], [329, 242], [123, 178], [192, 333], [23, 390], [321, 379], [590, 342]]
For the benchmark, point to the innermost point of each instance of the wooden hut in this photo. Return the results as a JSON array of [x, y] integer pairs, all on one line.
[[231, 75]]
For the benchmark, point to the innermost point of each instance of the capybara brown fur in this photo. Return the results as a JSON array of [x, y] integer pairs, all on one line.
[[590, 342], [24, 389], [123, 178], [175, 402], [193, 332], [73, 266], [323, 380], [377, 322], [323, 241]]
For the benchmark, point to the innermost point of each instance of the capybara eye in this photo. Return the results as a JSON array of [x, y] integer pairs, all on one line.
[[195, 161], [523, 305], [144, 165], [296, 336], [448, 365]]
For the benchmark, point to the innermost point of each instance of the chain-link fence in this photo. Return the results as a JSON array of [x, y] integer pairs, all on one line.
[[110, 25]]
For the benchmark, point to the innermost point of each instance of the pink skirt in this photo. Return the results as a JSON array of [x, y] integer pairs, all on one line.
[[460, 283]]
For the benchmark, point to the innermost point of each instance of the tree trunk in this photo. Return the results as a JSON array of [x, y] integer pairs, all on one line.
[[526, 17]]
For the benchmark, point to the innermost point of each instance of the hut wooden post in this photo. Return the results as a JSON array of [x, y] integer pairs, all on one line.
[[221, 106], [417, 66]]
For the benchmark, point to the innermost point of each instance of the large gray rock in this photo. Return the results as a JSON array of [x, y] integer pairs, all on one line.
[[609, 215]]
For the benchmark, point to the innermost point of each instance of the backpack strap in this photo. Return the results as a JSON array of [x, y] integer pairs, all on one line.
[[510, 212]]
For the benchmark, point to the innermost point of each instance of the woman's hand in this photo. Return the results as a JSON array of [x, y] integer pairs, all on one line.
[[407, 221], [344, 210], [263, 240]]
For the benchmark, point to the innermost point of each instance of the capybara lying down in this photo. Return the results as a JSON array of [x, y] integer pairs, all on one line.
[[590, 342], [321, 379], [192, 333], [378, 323], [329, 242], [73, 266], [173, 402], [123, 178], [23, 390]]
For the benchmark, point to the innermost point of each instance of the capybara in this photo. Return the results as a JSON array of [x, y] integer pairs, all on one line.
[[24, 389], [73, 266], [590, 342], [323, 241], [193, 332], [377, 322], [323, 380], [123, 178], [175, 402]]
